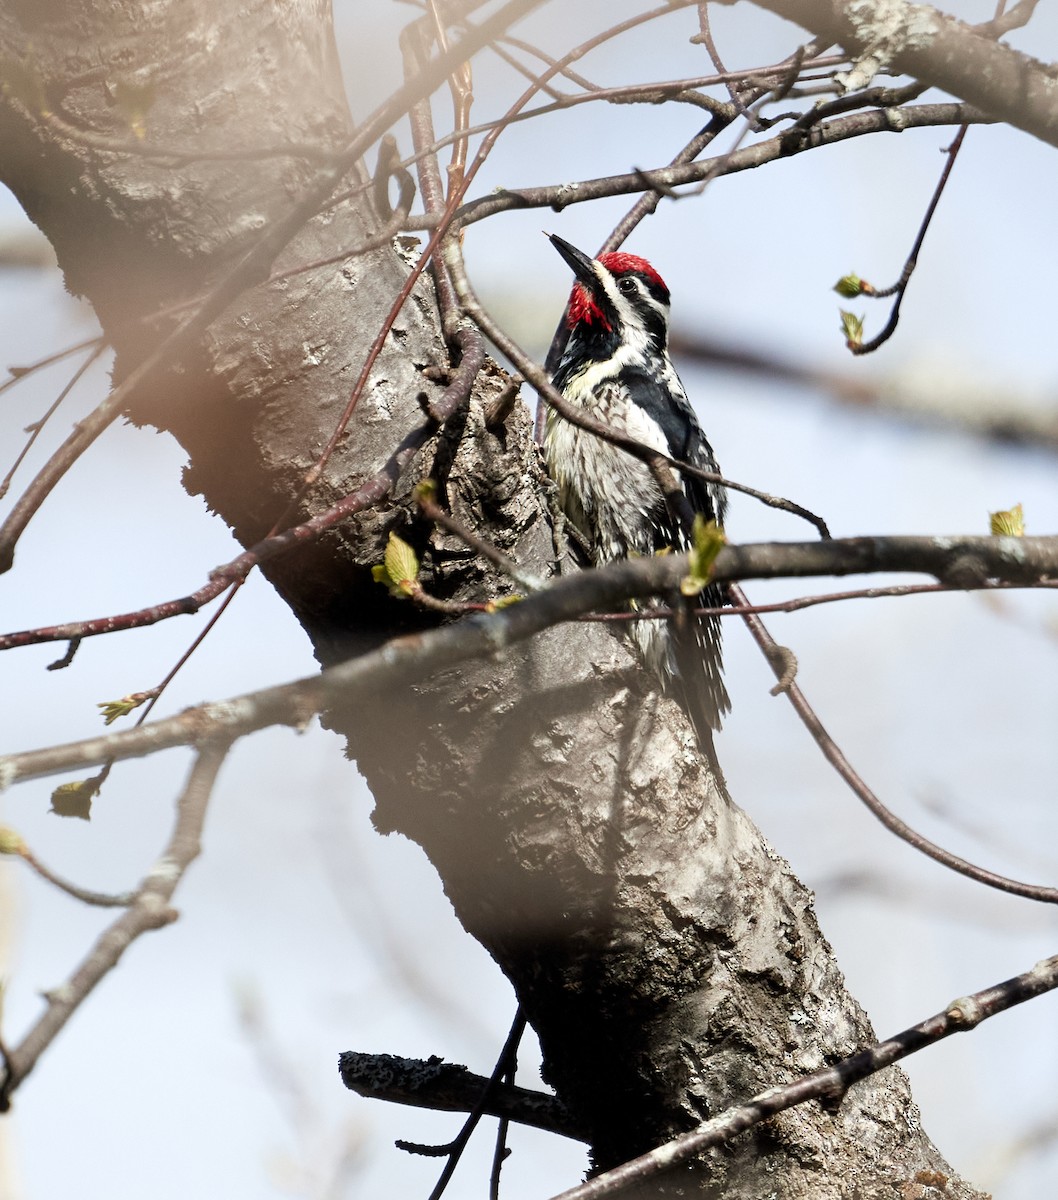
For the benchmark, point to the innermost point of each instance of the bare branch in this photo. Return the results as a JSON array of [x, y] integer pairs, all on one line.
[[406, 659], [705, 38], [17, 374], [449, 1087], [644, 93], [875, 593], [96, 349], [85, 895], [797, 603], [148, 910], [828, 1085], [829, 133]]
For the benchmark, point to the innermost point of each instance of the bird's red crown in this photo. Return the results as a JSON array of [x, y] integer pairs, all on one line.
[[582, 305], [619, 263]]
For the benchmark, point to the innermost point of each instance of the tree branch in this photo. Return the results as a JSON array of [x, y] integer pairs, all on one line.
[[449, 1087], [149, 909], [917, 40], [783, 145], [961, 561], [828, 1085]]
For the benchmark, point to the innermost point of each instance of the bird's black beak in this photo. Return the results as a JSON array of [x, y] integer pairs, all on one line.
[[579, 262]]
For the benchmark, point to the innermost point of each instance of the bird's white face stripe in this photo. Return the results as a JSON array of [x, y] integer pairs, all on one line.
[[627, 313], [647, 298], [609, 286]]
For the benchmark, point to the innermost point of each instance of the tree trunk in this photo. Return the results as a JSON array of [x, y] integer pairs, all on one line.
[[667, 958]]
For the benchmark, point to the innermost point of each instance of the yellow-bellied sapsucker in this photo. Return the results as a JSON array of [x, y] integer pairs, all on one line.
[[616, 368]]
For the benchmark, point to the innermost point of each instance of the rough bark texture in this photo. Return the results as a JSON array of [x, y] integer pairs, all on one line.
[[668, 959]]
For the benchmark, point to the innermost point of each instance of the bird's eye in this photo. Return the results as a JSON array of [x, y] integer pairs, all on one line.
[[626, 285]]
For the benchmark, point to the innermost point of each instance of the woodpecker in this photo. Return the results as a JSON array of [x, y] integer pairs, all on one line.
[[616, 368]]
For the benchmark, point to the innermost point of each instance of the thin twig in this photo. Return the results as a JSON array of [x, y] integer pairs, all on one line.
[[1001, 24], [461, 86], [222, 577], [629, 93], [899, 289], [705, 38], [97, 348], [548, 60], [155, 693], [434, 512], [19, 373], [431, 186], [501, 1151], [834, 755], [85, 895], [661, 613], [459, 1143]]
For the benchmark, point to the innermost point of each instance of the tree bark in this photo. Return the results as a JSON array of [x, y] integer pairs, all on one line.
[[666, 956]]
